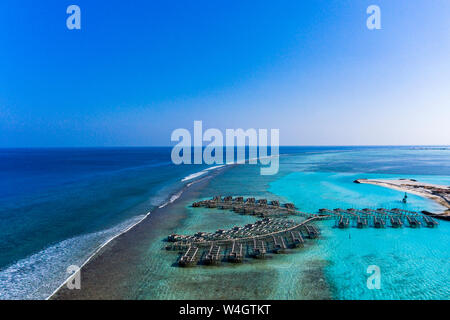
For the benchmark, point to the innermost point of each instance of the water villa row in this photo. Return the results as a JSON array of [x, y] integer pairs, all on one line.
[[379, 218], [249, 206], [261, 228], [275, 232], [268, 236]]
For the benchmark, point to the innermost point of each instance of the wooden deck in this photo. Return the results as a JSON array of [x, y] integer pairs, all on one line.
[[275, 232]]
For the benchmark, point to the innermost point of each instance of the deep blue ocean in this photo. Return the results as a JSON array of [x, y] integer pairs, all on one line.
[[57, 206]]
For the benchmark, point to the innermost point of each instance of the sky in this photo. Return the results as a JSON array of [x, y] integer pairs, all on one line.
[[137, 70]]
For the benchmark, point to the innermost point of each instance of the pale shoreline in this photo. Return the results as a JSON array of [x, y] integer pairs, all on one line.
[[100, 250], [62, 293], [438, 193]]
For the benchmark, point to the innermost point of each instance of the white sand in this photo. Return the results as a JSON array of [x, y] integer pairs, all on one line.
[[427, 190]]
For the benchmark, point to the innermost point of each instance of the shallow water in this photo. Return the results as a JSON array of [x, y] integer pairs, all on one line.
[[57, 206], [99, 202], [414, 263]]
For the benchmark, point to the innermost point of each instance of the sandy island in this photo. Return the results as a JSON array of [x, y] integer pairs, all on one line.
[[438, 193]]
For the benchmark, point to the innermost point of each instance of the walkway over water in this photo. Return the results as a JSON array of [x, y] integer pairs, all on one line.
[[379, 218], [275, 232]]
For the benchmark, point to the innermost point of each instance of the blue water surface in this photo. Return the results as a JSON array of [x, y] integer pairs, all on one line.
[[57, 206]]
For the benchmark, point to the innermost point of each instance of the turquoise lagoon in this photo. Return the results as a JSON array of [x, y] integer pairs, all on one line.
[[414, 264], [70, 201]]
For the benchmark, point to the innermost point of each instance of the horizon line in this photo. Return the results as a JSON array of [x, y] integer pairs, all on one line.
[[168, 146]]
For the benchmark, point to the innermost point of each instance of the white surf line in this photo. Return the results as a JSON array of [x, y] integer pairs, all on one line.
[[200, 173], [215, 167], [194, 175], [177, 195], [132, 226], [97, 251], [171, 200], [196, 181], [244, 161]]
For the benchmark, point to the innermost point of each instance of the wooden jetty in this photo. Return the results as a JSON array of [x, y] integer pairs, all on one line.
[[413, 222], [275, 232], [396, 222], [235, 254], [379, 218], [297, 239], [312, 231], [213, 256], [250, 206], [275, 235], [430, 222], [189, 258], [378, 222], [279, 245], [259, 249], [361, 222], [343, 222]]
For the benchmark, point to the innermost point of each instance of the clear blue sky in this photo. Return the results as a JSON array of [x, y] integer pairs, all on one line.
[[137, 70]]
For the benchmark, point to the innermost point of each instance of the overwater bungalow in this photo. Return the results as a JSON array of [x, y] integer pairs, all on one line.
[[275, 203], [213, 256], [262, 202], [189, 258], [235, 254], [289, 206], [250, 200]]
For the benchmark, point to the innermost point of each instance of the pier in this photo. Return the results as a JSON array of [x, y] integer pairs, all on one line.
[[430, 222], [275, 232], [278, 244], [249, 206], [396, 222], [213, 256], [413, 222], [378, 218], [259, 249], [312, 231], [189, 258], [255, 240], [343, 222], [361, 222], [297, 239], [236, 252]]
